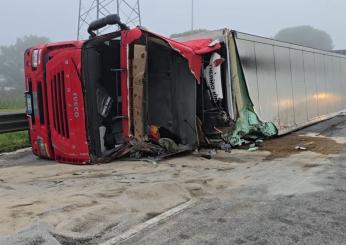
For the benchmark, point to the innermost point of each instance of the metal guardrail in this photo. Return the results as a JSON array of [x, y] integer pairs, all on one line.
[[13, 122]]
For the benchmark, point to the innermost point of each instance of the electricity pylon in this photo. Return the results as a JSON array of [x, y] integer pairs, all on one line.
[[90, 10]]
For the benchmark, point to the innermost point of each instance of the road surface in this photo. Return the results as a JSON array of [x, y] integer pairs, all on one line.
[[291, 191]]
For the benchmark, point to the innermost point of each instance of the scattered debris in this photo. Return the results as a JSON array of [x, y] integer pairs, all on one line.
[[208, 154], [302, 148], [225, 147], [255, 148]]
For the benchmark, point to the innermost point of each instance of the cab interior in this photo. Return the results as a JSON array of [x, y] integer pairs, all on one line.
[[162, 98]]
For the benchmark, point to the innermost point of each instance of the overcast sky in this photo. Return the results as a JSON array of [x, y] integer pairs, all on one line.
[[57, 19]]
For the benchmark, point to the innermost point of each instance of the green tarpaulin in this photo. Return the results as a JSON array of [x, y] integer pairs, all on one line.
[[248, 126]]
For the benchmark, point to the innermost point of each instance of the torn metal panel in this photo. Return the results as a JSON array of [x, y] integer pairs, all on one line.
[[203, 46], [192, 51]]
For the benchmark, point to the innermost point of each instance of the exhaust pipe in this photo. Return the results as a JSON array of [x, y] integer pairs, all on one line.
[[112, 19]]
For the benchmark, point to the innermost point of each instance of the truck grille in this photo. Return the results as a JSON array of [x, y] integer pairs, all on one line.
[[60, 121]]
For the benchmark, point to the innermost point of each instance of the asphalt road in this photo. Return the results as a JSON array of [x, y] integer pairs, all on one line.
[[251, 217], [276, 195], [253, 214]]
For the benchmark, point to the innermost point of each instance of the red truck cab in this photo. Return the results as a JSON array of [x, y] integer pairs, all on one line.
[[126, 93], [52, 77]]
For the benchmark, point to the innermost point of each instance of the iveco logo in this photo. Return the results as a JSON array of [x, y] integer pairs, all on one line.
[[75, 105]]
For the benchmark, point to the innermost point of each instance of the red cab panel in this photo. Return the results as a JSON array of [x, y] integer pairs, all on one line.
[[65, 100], [36, 100]]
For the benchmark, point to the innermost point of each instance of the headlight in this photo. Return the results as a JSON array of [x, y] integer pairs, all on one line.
[[35, 61]]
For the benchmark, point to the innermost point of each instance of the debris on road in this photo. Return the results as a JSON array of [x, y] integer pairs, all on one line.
[[253, 148], [302, 148]]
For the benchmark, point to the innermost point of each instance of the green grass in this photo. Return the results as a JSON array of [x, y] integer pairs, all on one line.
[[4, 111], [13, 141], [12, 100]]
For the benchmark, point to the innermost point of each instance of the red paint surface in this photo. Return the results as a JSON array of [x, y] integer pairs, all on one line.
[[73, 149]]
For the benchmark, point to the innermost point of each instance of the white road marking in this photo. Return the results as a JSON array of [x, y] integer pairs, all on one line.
[[149, 223]]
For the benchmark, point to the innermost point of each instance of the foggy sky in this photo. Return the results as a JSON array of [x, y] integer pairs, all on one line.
[[57, 19]]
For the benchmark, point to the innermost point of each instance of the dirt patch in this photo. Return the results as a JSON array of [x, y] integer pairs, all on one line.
[[285, 146]]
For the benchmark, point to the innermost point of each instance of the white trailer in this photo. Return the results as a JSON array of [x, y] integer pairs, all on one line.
[[288, 85]]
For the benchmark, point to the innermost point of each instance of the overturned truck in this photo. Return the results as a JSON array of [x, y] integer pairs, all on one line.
[[134, 93]]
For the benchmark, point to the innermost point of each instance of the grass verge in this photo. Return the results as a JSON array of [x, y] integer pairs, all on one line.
[[18, 110], [14, 141]]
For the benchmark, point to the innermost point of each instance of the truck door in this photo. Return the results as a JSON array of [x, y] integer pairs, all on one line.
[[66, 107]]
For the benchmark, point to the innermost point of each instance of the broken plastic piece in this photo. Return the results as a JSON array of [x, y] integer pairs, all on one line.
[[213, 43], [253, 148], [302, 148], [212, 75]]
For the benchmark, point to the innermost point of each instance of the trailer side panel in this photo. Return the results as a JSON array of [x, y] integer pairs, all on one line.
[[291, 85]]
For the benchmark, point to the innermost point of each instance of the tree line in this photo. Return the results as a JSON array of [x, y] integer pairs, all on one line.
[[12, 60], [303, 35]]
